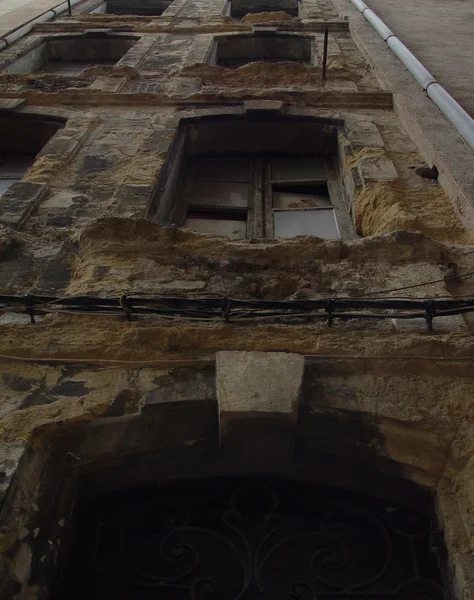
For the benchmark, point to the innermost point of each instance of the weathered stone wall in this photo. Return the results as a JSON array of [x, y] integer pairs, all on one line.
[[102, 401]]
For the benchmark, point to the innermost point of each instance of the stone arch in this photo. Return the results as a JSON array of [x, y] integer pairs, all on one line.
[[251, 537], [195, 424]]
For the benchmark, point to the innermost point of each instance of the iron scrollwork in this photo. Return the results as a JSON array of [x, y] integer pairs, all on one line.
[[233, 539]]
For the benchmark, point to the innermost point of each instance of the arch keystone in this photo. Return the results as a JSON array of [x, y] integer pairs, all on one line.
[[258, 396]]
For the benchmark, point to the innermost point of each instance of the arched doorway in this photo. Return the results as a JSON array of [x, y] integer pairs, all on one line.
[[249, 538]]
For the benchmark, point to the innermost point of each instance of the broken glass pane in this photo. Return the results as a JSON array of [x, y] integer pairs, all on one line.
[[291, 223], [288, 200]]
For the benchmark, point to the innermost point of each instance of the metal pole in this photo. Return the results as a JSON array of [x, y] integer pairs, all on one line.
[[325, 52], [69, 8]]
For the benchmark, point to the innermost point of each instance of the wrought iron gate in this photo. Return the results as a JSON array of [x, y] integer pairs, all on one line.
[[249, 539]]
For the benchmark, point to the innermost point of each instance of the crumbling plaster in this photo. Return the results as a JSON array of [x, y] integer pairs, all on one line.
[[169, 409], [107, 162], [100, 391]]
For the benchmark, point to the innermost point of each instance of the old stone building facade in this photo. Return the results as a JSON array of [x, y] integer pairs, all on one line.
[[230, 260]]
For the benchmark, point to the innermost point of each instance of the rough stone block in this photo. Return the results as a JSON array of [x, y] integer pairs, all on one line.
[[185, 86], [333, 47], [10, 457], [258, 397], [97, 32], [19, 201], [261, 28], [108, 84], [54, 276], [17, 271], [133, 57], [363, 134], [264, 382], [131, 200], [379, 168], [199, 49], [10, 104], [65, 143], [453, 324], [267, 105], [179, 385]]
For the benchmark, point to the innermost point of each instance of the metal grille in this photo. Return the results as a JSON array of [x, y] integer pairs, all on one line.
[[230, 539]]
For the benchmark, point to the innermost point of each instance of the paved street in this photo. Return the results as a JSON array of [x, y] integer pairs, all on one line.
[[441, 35], [14, 13]]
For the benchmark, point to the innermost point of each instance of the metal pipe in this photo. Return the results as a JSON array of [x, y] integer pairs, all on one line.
[[325, 52], [19, 32], [455, 114]]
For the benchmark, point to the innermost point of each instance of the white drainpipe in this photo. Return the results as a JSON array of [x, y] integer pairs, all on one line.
[[444, 101], [16, 34]]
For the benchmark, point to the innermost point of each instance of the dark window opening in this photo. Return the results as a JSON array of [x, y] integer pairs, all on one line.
[[12, 168], [253, 538], [240, 8], [144, 8], [20, 141], [70, 55], [236, 51]]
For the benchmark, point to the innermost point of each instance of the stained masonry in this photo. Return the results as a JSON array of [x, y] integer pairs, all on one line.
[[105, 402]]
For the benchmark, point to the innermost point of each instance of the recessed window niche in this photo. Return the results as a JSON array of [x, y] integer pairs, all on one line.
[[257, 176], [240, 8], [141, 8], [21, 138], [237, 50], [69, 55]]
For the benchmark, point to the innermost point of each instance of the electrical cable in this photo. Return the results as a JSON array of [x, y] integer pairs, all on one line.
[[222, 308], [210, 360], [409, 287]]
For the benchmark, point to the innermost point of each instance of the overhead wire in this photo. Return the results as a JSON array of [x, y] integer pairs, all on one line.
[[223, 308], [210, 360], [416, 285]]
